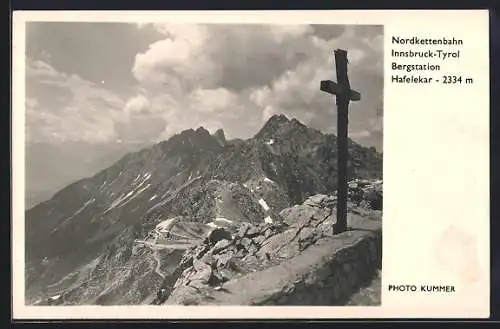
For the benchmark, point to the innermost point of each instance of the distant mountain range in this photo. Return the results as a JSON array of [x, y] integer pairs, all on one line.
[[52, 166], [82, 239]]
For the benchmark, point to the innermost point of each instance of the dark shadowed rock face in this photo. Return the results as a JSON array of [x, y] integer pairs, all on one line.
[[301, 160], [201, 178], [221, 137], [209, 200]]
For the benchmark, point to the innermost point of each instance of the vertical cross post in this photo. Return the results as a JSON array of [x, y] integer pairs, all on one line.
[[344, 94]]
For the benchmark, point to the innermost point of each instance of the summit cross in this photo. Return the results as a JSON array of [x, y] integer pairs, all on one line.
[[344, 94]]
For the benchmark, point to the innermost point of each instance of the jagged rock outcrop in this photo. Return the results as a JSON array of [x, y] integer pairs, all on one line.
[[367, 193], [221, 137], [254, 248]]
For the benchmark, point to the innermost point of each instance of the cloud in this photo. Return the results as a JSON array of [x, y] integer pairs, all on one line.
[[138, 105], [64, 107], [141, 129], [215, 73], [217, 76], [176, 61], [31, 103], [328, 32], [140, 121], [41, 70], [210, 56], [213, 100], [95, 51], [296, 92], [46, 126], [110, 88], [360, 134]]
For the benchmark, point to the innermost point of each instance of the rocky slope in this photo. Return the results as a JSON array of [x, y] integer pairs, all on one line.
[[83, 242], [207, 266]]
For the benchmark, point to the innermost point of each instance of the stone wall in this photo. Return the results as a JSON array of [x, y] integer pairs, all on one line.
[[327, 273], [336, 277]]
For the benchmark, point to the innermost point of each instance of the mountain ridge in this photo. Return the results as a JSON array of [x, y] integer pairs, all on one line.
[[195, 175]]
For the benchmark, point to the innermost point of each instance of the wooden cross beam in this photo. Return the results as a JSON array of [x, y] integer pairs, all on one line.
[[344, 94]]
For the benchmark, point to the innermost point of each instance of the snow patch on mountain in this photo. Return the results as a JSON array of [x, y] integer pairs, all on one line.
[[165, 225], [222, 219], [121, 201], [85, 205], [268, 180], [264, 204], [268, 220]]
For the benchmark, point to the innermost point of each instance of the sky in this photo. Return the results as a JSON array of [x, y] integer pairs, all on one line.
[[111, 88]]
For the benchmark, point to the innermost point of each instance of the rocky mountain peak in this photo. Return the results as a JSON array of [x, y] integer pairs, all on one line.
[[202, 131], [276, 120], [190, 139], [274, 125], [280, 127], [221, 137], [281, 118], [296, 123]]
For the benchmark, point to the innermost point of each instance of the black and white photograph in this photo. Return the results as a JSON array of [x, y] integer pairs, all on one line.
[[202, 164]]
